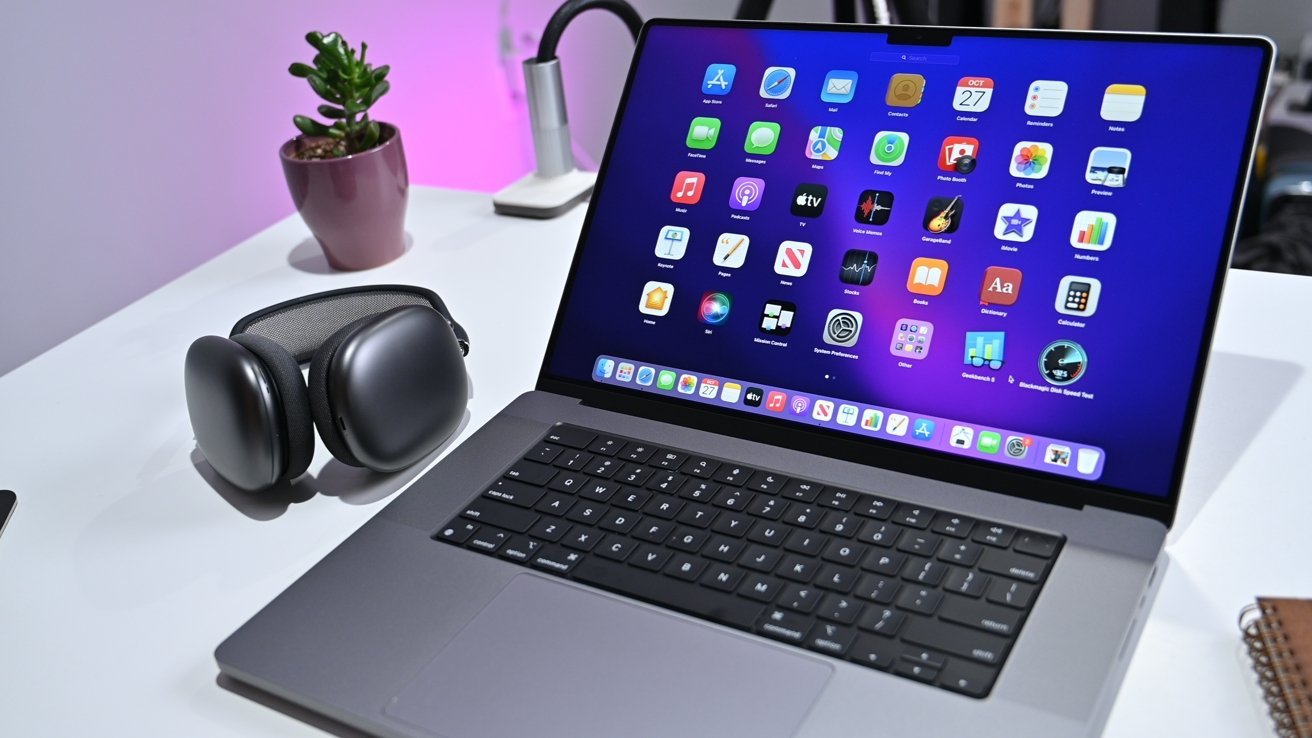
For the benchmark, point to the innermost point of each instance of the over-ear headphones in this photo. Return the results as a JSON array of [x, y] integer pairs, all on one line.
[[387, 384]]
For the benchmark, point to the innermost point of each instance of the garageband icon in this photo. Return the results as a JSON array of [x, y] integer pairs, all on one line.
[[943, 214], [746, 193]]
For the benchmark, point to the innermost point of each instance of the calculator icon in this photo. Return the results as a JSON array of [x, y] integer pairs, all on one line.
[[1078, 295]]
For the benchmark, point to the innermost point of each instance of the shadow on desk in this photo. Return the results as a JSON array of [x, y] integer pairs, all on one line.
[[308, 256], [1227, 423], [350, 484], [291, 710]]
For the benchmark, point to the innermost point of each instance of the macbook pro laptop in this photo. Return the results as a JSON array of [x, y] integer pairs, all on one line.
[[865, 411]]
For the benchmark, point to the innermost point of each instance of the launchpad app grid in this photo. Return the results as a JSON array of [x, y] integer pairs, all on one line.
[[1058, 204]]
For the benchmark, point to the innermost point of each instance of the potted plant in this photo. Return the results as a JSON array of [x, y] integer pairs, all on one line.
[[347, 177]]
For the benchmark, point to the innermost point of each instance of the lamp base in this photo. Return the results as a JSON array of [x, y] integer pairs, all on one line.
[[544, 197]]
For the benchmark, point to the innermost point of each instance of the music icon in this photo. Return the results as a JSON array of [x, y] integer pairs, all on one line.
[[687, 189], [776, 401]]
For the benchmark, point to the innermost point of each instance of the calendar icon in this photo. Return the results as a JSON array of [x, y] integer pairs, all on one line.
[[973, 94]]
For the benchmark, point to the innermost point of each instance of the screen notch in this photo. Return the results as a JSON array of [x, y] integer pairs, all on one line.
[[910, 36]]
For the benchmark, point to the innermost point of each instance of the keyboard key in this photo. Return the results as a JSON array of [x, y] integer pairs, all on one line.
[[921, 544], [995, 535], [912, 515], [876, 589], [549, 530], [873, 507], [767, 482], [649, 557], [619, 521], [573, 460], [515, 493], [770, 508], [834, 640], [974, 680], [654, 531], [837, 578], [531, 472], [785, 626], [838, 499], [544, 452], [456, 532], [1036, 544], [519, 548], [760, 558], [843, 552], [566, 435], [732, 474], [689, 539], [685, 567], [1011, 594], [582, 539], [874, 651], [969, 583], [964, 553], [731, 524], [840, 523], [669, 592], [616, 548], [884, 621], [1014, 565], [760, 587], [663, 507], [556, 559], [884, 562], [731, 498], [724, 549], [924, 571], [957, 526], [637, 452], [587, 513], [633, 474], [699, 468], [803, 516], [880, 534], [723, 578], [957, 640], [568, 482], [500, 515], [555, 504], [630, 498], [919, 672], [801, 490], [839, 608], [919, 599], [699, 491], [699, 516], [797, 568], [667, 482], [767, 533], [668, 460], [604, 468], [804, 542], [598, 491], [606, 446], [799, 598]]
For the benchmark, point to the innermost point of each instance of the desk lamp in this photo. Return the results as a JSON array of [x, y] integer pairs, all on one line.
[[556, 185]]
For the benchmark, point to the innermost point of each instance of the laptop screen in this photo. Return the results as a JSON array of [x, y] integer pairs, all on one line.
[[1005, 249]]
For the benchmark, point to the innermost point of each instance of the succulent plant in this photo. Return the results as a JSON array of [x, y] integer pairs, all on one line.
[[350, 86]]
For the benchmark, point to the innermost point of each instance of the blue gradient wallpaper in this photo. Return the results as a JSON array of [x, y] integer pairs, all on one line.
[[1180, 111]]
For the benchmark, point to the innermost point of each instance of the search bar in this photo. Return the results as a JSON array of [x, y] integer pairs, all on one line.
[[913, 58]]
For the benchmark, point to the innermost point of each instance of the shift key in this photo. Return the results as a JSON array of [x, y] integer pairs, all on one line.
[[500, 515]]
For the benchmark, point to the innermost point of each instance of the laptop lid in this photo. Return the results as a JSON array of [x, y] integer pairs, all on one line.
[[990, 257]]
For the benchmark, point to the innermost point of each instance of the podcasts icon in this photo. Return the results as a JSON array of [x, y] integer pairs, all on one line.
[[746, 193]]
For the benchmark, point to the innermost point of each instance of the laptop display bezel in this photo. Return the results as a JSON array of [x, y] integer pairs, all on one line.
[[996, 478]]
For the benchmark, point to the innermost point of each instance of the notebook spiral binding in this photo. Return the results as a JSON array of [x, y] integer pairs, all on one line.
[[1283, 687]]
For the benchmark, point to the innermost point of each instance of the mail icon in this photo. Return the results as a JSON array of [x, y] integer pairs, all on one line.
[[840, 86]]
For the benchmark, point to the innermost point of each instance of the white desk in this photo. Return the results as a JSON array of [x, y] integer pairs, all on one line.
[[123, 567]]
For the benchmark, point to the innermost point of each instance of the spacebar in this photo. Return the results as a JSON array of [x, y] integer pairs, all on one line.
[[671, 593]]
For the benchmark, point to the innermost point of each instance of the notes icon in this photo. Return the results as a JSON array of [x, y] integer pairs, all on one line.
[[1123, 103], [687, 189]]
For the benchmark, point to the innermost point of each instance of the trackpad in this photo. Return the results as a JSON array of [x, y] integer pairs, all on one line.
[[544, 658]]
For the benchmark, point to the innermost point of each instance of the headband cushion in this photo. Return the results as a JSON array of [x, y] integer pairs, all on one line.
[[286, 376]]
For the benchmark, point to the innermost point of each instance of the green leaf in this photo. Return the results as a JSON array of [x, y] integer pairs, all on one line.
[[315, 39], [330, 111], [310, 126], [380, 73], [336, 133], [371, 134], [300, 70], [353, 107], [378, 91], [335, 45], [322, 89]]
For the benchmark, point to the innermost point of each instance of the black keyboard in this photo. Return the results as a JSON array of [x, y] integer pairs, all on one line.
[[925, 594]]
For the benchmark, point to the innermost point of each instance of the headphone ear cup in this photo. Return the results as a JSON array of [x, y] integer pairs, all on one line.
[[286, 376], [320, 408]]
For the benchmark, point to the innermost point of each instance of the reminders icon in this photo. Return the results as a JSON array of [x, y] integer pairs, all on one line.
[[1123, 103]]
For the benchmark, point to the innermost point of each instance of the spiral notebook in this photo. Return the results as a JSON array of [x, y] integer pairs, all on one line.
[[1279, 637]]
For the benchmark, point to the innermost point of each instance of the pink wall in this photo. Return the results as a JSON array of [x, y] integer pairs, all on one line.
[[140, 136]]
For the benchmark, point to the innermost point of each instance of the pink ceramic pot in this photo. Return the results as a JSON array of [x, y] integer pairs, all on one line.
[[355, 206]]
